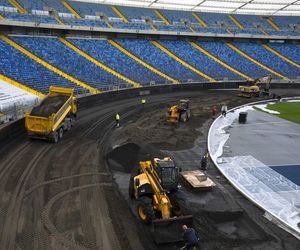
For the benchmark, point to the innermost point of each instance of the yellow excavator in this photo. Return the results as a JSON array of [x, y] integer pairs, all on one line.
[[154, 189], [180, 112], [254, 90]]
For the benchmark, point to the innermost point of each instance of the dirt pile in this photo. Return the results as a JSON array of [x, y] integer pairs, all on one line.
[[49, 105], [126, 158]]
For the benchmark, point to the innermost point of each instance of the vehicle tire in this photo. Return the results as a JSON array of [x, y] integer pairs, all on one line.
[[55, 137], [176, 210], [184, 117], [145, 210], [60, 133], [131, 187]]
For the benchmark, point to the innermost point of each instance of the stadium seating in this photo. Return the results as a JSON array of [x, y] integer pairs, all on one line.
[[84, 22], [289, 50], [135, 26], [67, 60], [154, 56], [43, 4], [200, 61], [138, 13], [29, 18], [117, 60], [259, 53], [91, 9], [5, 3], [21, 68], [232, 58]]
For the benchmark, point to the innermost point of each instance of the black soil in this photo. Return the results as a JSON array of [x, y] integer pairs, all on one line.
[[49, 105]]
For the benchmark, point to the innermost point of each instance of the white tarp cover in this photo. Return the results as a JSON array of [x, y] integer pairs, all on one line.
[[11, 96], [264, 186]]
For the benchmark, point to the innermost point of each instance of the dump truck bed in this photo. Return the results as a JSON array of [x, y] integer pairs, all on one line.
[[50, 105]]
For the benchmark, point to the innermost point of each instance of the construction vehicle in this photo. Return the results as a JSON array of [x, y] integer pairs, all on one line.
[[254, 89], [54, 115], [154, 189], [180, 112]]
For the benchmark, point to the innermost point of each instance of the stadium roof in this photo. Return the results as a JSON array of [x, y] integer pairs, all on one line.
[[258, 7]]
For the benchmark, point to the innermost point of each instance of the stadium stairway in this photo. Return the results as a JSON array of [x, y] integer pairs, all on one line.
[[18, 6], [109, 24], [190, 67], [255, 61], [47, 65], [120, 14], [236, 22], [69, 7], [156, 71], [98, 63], [59, 20], [201, 49], [162, 17], [199, 19], [281, 56], [273, 24], [21, 86]]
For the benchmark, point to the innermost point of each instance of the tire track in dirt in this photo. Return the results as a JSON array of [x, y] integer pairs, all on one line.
[[12, 216]]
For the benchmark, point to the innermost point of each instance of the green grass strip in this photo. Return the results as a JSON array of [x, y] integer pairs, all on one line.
[[288, 110]]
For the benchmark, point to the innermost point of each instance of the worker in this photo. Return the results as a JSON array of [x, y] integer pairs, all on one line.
[[117, 120], [204, 161], [268, 83], [190, 238], [224, 110], [213, 111]]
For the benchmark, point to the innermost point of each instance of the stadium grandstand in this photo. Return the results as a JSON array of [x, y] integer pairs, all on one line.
[[127, 62]]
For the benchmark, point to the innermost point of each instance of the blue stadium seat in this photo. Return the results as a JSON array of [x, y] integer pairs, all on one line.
[[259, 53], [115, 59], [138, 13], [5, 3], [291, 51], [21, 68], [29, 18], [199, 60], [154, 56], [232, 58], [41, 4], [67, 60]]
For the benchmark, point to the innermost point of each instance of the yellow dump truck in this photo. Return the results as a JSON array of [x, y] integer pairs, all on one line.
[[53, 116]]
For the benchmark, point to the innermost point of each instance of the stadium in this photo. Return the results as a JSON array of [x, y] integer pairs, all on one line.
[[149, 124]]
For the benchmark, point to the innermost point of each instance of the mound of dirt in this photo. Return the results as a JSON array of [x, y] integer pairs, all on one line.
[[126, 158], [49, 105]]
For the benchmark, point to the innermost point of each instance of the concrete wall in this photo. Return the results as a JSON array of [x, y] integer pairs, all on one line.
[[15, 129]]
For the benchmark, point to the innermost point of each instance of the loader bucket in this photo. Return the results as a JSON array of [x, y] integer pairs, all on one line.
[[170, 230]]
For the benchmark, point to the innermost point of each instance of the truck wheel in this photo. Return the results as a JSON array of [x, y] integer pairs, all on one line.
[[55, 137], [60, 133], [145, 210]]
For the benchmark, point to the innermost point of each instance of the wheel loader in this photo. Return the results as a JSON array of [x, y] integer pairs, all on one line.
[[154, 189], [180, 112]]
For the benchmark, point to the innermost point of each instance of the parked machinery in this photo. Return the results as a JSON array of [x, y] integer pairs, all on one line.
[[255, 89], [180, 112]]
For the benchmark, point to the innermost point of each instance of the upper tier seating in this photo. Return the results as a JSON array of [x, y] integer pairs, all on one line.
[[21, 68], [67, 60], [5, 3], [43, 4], [216, 22], [92, 9]]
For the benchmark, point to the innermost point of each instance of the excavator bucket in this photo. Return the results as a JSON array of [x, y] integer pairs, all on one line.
[[170, 230]]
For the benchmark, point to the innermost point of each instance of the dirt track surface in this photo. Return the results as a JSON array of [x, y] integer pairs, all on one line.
[[63, 196]]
